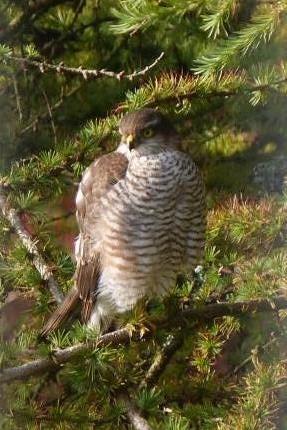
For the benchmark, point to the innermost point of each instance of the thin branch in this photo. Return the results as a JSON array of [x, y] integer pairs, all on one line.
[[118, 337], [45, 272], [50, 115], [43, 116], [17, 96], [162, 358], [254, 352], [39, 417], [87, 74], [133, 415]]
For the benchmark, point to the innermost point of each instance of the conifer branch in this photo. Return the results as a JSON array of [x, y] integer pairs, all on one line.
[[87, 74], [62, 356], [137, 421], [243, 90], [45, 272], [162, 358], [119, 337], [246, 40]]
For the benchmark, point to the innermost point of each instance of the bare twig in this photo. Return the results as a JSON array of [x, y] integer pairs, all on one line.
[[50, 115], [254, 352], [43, 116], [46, 273], [17, 96], [116, 338], [87, 74]]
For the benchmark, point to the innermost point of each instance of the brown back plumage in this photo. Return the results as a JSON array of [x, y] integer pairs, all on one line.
[[102, 174]]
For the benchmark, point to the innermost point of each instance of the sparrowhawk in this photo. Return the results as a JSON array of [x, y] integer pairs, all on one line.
[[141, 216]]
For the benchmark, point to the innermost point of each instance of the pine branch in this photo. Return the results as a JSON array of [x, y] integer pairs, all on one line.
[[62, 356], [87, 74], [171, 88], [227, 52], [162, 91], [45, 272], [119, 337], [139, 15], [218, 17]]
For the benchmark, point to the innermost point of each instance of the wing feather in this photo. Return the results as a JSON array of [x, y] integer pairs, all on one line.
[[102, 174]]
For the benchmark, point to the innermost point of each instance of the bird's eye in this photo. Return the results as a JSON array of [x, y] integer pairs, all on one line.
[[148, 132]]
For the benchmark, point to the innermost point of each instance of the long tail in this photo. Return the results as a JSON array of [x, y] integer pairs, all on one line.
[[67, 309]]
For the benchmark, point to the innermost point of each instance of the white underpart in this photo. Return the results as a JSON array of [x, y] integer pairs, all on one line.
[[149, 231]]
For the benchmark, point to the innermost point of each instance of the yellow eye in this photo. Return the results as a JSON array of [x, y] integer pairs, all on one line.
[[148, 132]]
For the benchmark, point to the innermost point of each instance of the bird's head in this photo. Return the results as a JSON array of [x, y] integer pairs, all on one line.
[[147, 131]]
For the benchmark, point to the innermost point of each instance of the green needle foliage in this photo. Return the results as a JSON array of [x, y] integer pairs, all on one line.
[[223, 82]]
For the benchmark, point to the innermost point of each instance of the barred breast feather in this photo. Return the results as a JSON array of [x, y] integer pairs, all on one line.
[[141, 221], [151, 227]]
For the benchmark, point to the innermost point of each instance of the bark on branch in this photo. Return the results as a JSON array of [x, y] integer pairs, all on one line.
[[162, 358], [87, 74], [205, 313], [45, 272], [133, 415]]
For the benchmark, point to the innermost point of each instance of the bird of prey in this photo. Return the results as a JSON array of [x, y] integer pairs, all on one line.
[[141, 217]]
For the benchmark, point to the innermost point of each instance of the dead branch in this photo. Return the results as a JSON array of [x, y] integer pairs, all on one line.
[[87, 74], [118, 337], [45, 272]]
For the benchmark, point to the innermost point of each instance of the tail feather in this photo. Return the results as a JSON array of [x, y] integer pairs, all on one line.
[[66, 309]]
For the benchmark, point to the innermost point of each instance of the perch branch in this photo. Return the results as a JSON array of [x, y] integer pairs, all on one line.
[[132, 413], [134, 417], [45, 272], [87, 74], [204, 313], [62, 356]]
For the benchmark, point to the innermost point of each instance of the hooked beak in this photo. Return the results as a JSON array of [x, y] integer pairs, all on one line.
[[131, 141]]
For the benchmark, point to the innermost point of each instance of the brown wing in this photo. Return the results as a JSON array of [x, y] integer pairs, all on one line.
[[102, 174], [98, 178]]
